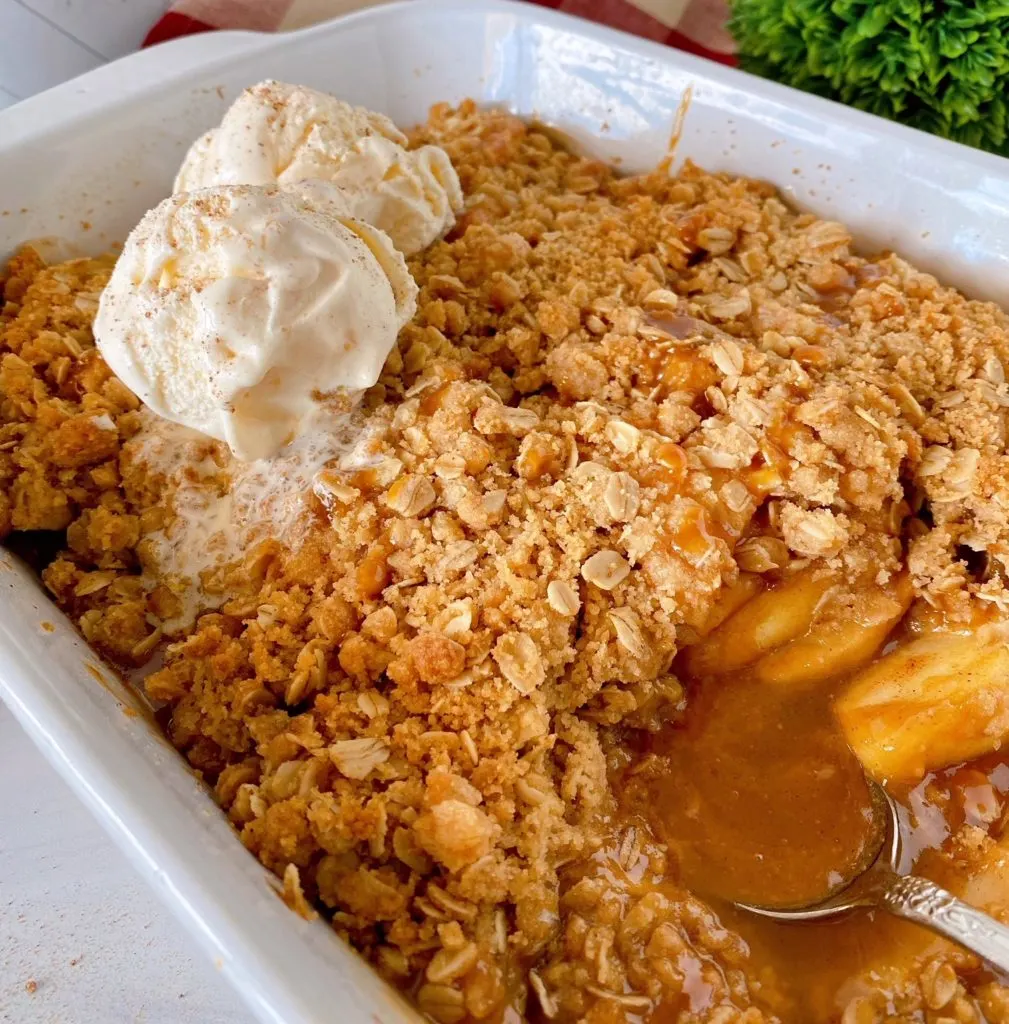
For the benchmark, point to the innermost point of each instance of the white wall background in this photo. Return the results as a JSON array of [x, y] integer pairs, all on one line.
[[45, 42]]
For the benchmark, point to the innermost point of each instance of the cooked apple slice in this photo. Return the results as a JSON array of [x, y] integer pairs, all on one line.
[[762, 624], [842, 638], [938, 700], [728, 601]]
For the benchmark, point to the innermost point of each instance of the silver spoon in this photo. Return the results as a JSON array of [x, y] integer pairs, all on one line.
[[908, 896]]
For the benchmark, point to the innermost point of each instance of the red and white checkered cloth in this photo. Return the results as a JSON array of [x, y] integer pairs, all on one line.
[[698, 26]]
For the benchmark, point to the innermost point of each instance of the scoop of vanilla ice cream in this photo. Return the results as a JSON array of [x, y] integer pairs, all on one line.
[[279, 133], [241, 310]]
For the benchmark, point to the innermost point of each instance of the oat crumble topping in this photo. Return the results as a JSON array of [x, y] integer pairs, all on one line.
[[624, 404]]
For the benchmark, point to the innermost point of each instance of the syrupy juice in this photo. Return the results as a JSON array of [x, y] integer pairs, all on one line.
[[758, 799]]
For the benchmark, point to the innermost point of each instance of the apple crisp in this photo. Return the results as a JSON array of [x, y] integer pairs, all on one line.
[[647, 439]]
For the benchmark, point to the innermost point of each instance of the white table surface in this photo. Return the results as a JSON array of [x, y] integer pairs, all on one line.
[[76, 923], [76, 920]]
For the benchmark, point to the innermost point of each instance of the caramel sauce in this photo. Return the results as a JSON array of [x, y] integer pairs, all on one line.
[[819, 962], [373, 574], [669, 472], [835, 297], [365, 480], [679, 120], [538, 461], [431, 400], [787, 433], [695, 534], [972, 794], [758, 799], [685, 370], [768, 804], [692, 540], [775, 462], [700, 531], [811, 355], [634, 864], [761, 481]]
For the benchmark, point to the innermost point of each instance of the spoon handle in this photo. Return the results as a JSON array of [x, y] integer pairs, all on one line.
[[925, 903]]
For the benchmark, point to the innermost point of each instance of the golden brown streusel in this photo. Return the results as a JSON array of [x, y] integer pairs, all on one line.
[[616, 395]]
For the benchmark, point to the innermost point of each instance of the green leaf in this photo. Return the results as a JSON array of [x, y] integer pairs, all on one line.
[[874, 21], [940, 65]]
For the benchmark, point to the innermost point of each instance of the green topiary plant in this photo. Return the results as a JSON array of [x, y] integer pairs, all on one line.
[[939, 65]]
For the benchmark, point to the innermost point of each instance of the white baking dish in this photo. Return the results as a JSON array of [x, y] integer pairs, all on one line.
[[102, 149]]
